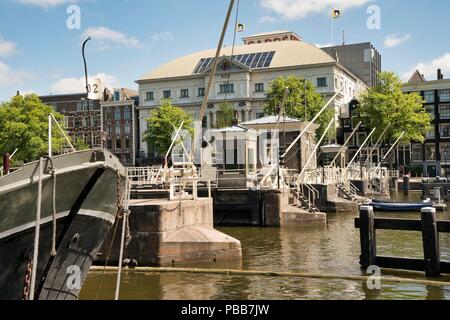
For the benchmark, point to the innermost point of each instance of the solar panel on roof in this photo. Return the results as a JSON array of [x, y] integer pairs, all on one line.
[[259, 60]]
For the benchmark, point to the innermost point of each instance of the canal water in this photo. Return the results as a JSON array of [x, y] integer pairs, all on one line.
[[333, 249]]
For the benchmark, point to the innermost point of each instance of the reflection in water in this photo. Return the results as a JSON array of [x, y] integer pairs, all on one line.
[[333, 249]]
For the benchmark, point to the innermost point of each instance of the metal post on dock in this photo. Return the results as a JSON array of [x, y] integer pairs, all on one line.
[[406, 185], [368, 237], [430, 236], [6, 163]]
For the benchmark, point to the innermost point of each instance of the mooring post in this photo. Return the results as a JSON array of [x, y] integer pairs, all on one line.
[[431, 249], [368, 237], [406, 184], [6, 164]]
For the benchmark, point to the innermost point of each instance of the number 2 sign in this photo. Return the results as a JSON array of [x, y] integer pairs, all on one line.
[[95, 89]]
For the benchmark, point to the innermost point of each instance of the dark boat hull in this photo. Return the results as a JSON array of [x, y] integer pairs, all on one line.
[[398, 207], [89, 186]]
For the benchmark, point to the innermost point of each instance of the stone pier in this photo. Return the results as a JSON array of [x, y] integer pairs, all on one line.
[[165, 232], [278, 211]]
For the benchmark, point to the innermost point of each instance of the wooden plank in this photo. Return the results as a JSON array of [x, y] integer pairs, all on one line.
[[408, 264], [401, 263], [394, 224], [430, 236], [404, 225], [368, 237], [444, 226]]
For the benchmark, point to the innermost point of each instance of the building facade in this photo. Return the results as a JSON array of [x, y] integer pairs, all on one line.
[[433, 157], [74, 108], [119, 125], [243, 76], [362, 59]]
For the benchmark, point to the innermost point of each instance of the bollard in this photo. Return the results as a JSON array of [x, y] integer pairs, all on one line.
[[6, 163], [368, 237], [406, 184], [430, 236]]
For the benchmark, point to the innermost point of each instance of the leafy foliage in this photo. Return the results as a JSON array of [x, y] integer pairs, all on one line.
[[160, 126], [24, 125], [386, 106], [225, 115], [302, 102]]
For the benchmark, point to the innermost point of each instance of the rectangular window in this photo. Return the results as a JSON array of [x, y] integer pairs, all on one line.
[[444, 95], [352, 141], [430, 152], [445, 131], [201, 92], [260, 115], [259, 87], [118, 130], [109, 144], [227, 88], [117, 115], [127, 113], [428, 96], [321, 82], [118, 143], [117, 96], [430, 110], [347, 123], [127, 142], [445, 152], [360, 138], [444, 112], [149, 96], [167, 94], [417, 153], [431, 134], [127, 129], [184, 93]]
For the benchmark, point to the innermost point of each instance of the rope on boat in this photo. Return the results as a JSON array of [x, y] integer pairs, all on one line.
[[53, 173], [37, 230], [227, 272], [125, 233]]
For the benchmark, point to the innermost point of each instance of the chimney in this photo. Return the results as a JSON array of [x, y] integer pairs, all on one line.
[[336, 55], [440, 76]]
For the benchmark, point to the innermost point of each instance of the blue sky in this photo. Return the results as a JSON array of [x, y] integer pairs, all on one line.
[[38, 53]]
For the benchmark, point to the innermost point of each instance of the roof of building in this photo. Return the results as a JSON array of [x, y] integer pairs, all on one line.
[[416, 77], [129, 93], [287, 54], [234, 128], [271, 120], [262, 34]]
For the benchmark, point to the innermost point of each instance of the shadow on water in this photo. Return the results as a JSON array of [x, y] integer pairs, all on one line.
[[333, 249]]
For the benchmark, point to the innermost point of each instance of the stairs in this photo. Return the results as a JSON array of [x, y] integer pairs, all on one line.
[[304, 203], [349, 195]]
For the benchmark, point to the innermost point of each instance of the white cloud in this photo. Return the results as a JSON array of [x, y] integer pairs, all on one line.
[[318, 45], [78, 85], [162, 36], [396, 40], [46, 3], [429, 68], [9, 77], [7, 48], [299, 9], [267, 19], [108, 39]]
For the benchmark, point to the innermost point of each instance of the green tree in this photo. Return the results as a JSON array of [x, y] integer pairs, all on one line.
[[386, 106], [160, 126], [302, 102], [24, 125], [225, 115], [79, 144]]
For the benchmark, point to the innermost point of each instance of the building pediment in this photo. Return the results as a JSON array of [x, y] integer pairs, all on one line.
[[227, 65]]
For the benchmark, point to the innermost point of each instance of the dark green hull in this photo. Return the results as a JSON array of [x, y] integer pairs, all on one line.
[[89, 186]]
